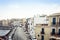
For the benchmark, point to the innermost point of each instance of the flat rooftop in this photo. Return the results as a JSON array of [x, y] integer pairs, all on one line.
[[6, 27]]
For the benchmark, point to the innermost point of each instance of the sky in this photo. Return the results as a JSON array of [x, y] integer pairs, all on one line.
[[27, 8]]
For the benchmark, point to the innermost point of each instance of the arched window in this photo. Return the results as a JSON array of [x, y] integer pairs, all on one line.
[[53, 31]]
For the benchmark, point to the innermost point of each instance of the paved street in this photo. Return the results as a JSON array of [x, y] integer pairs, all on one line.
[[17, 33], [20, 34]]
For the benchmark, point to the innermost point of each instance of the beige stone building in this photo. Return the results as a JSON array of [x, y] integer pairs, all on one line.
[[42, 30], [54, 23], [21, 21], [5, 22], [0, 22], [50, 31]]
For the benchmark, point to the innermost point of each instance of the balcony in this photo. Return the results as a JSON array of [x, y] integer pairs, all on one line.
[[42, 32], [52, 34], [58, 34], [54, 25], [55, 34]]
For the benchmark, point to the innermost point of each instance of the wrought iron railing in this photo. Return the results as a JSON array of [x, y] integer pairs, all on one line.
[[42, 32], [55, 34], [57, 24]]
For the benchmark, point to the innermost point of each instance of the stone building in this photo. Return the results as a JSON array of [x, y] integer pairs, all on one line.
[[54, 23]]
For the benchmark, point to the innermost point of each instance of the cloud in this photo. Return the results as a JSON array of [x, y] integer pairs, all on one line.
[[25, 11]]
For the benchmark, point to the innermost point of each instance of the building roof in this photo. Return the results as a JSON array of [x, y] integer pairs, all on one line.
[[6, 27], [4, 32], [55, 14]]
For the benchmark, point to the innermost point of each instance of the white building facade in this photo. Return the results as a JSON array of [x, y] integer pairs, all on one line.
[[40, 19], [31, 28]]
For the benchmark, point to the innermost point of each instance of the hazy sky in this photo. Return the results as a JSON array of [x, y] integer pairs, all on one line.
[[27, 8]]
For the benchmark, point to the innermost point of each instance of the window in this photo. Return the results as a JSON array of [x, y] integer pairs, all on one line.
[[59, 21], [53, 31], [59, 32], [54, 21], [42, 32], [42, 37]]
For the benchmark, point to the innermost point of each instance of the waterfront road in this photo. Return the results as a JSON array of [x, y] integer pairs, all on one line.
[[20, 34]]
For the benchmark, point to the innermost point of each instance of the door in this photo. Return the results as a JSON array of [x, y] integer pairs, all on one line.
[[42, 37]]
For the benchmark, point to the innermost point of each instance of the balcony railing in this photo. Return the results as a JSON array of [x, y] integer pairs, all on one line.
[[57, 24], [52, 34], [42, 32], [55, 34]]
